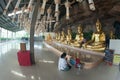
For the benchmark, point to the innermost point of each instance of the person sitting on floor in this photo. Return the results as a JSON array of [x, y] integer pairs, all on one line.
[[63, 63]]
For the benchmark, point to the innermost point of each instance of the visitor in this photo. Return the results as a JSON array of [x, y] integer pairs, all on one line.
[[64, 64]]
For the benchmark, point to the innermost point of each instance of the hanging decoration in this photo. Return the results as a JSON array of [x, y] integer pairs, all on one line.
[[21, 15], [6, 8], [57, 2], [67, 6], [57, 18], [16, 9], [91, 5], [48, 13], [29, 8], [43, 7]]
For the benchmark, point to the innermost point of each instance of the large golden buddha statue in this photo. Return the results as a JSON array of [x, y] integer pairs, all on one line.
[[69, 37], [79, 37], [97, 42]]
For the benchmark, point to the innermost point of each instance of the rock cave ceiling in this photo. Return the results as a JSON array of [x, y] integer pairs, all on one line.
[[105, 9]]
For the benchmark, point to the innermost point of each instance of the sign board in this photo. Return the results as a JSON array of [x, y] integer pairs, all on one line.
[[116, 59], [115, 45]]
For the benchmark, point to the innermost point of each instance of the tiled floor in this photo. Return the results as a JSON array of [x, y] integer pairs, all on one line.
[[46, 66]]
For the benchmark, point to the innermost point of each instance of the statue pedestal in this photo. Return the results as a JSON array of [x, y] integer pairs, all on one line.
[[90, 59]]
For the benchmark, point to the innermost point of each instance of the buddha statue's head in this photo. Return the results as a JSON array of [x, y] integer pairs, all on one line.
[[79, 29], [98, 25]]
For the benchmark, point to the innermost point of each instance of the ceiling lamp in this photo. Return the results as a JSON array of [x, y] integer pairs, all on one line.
[[6, 8], [67, 5], [29, 8], [91, 5], [43, 6], [15, 9]]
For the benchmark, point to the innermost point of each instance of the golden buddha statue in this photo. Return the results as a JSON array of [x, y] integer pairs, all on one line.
[[69, 37], [57, 36], [97, 43], [79, 38], [49, 38], [63, 37]]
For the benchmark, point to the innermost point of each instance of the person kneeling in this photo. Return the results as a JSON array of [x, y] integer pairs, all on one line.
[[63, 63]]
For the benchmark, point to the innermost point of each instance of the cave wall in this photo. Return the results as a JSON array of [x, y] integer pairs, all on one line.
[[80, 14]]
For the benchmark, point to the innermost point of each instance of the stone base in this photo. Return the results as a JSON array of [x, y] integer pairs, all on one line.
[[91, 62], [90, 59]]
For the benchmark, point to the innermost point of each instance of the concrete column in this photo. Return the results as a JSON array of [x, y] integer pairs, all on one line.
[[32, 27]]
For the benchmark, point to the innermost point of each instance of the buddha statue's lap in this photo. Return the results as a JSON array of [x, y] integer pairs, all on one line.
[[79, 38], [97, 42]]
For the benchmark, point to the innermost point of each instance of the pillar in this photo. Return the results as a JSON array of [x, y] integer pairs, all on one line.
[[32, 27]]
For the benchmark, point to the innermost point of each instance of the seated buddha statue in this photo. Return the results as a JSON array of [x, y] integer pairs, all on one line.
[[49, 38], [63, 37], [97, 43], [69, 37], [79, 38], [57, 36]]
